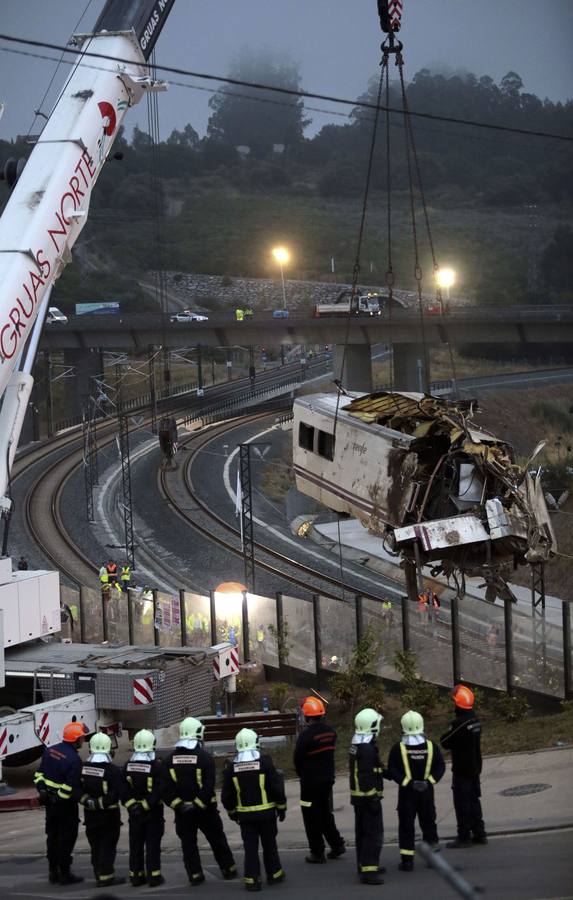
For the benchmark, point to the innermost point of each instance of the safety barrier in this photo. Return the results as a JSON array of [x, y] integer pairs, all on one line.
[[492, 646]]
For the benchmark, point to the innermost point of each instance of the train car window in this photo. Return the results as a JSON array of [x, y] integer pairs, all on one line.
[[306, 436], [325, 445]]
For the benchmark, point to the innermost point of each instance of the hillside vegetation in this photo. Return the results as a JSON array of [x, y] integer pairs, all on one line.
[[500, 204]]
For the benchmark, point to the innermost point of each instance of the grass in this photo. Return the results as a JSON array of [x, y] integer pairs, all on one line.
[[538, 730]]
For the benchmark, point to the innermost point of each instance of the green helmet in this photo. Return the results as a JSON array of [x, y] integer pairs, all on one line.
[[191, 728], [246, 739], [367, 722], [100, 743], [144, 741], [412, 723]]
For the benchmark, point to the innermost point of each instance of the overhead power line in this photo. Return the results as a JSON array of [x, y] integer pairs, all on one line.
[[291, 92]]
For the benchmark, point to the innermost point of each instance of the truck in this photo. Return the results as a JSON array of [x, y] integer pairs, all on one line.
[[372, 303], [47, 681]]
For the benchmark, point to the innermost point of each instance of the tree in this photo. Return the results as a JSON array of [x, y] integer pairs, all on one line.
[[557, 260], [256, 118], [187, 138]]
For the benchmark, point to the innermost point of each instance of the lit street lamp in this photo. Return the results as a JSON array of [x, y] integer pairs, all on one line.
[[282, 256], [446, 278]]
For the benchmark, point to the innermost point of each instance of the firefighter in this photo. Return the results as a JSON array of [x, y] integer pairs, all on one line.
[[141, 796], [416, 764], [463, 740], [111, 569], [100, 785], [314, 765], [254, 796], [58, 783], [189, 789], [366, 786], [125, 576]]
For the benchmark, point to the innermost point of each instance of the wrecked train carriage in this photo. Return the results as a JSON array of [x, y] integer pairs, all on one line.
[[416, 470]]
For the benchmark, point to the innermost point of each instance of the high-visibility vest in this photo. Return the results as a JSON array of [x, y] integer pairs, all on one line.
[[125, 573], [239, 314], [103, 575], [406, 763]]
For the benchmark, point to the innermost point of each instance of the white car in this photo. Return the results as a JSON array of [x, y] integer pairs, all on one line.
[[188, 316], [55, 315]]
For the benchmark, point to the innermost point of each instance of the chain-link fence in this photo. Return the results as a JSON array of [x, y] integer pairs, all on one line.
[[495, 646]]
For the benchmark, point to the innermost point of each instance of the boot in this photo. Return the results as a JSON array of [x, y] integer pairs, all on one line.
[[315, 858], [54, 876], [372, 878], [230, 873], [459, 844], [254, 886], [196, 879], [336, 852], [68, 877], [479, 839], [138, 880], [108, 882], [155, 880], [276, 879], [406, 864]]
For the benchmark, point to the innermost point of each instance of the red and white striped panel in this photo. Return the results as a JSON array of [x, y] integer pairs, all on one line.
[[143, 691], [44, 728], [234, 661], [3, 742], [395, 14]]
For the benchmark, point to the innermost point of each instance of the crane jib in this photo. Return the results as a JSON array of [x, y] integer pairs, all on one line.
[[146, 17]]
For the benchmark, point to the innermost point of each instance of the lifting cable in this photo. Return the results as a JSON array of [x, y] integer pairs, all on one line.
[[356, 268], [157, 214]]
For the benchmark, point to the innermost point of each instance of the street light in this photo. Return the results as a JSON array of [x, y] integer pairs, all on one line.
[[282, 256], [446, 278]]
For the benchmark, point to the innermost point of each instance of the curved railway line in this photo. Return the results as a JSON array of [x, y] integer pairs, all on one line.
[[224, 534]]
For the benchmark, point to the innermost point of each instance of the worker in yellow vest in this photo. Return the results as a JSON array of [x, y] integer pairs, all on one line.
[[125, 577]]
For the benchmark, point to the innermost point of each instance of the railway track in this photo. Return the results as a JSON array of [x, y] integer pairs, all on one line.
[[179, 491], [63, 455]]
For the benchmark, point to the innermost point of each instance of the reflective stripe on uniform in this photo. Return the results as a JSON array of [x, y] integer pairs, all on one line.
[[373, 792], [369, 868], [260, 807], [306, 802], [407, 852], [406, 764]]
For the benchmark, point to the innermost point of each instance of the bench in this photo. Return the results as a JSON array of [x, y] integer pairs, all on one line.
[[267, 725]]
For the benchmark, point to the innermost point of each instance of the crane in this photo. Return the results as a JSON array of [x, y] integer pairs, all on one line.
[[50, 201]]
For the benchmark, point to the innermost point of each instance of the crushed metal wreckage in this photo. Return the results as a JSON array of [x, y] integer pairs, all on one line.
[[471, 506], [416, 470]]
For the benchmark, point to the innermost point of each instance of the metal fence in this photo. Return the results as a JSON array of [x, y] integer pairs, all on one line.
[[498, 647]]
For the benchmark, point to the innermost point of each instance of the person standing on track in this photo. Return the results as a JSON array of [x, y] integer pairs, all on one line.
[[58, 784], [141, 796], [189, 789], [366, 786], [463, 740], [314, 765]]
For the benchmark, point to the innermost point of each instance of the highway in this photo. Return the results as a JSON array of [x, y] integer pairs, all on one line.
[[548, 324]]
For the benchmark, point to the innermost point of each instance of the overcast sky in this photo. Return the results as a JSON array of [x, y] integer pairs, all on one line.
[[336, 43]]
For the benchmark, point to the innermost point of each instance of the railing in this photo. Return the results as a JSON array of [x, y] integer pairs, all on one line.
[[486, 645]]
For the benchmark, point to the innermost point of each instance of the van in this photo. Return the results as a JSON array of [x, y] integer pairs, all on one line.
[[56, 315]]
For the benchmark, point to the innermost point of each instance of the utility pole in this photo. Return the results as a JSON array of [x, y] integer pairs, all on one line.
[[123, 440]]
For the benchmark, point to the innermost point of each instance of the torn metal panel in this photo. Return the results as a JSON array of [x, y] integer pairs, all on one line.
[[416, 470]]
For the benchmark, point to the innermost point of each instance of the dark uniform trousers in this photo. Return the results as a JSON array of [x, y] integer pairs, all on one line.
[[369, 834], [412, 803], [469, 817], [263, 827], [102, 831], [62, 823], [145, 833], [209, 822], [319, 824]]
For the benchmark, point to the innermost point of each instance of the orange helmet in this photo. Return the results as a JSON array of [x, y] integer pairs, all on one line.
[[312, 706], [463, 696], [73, 731]]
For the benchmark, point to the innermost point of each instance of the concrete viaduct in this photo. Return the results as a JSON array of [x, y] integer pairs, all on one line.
[[83, 338]]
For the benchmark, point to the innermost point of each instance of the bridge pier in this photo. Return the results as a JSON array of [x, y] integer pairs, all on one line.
[[357, 375], [410, 368], [86, 364]]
